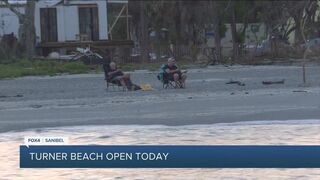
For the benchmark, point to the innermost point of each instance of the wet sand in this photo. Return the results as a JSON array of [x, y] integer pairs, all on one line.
[[302, 132]]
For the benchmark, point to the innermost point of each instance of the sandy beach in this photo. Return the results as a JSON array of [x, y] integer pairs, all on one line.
[[208, 111], [72, 100], [253, 80]]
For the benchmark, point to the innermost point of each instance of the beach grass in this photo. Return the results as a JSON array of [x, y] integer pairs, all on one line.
[[41, 67], [24, 67]]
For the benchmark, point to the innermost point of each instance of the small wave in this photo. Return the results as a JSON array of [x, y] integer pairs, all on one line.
[[195, 127], [138, 128], [299, 132]]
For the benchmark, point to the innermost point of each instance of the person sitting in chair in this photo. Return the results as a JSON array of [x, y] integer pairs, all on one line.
[[173, 73], [115, 75]]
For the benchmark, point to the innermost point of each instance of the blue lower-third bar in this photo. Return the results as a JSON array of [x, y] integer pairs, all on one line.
[[169, 156]]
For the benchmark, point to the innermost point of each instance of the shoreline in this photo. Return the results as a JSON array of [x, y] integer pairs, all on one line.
[[273, 134], [252, 123]]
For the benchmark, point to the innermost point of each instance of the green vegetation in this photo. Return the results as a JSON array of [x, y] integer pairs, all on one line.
[[51, 67], [41, 67]]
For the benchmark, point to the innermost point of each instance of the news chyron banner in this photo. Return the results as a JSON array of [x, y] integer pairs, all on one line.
[[55, 152]]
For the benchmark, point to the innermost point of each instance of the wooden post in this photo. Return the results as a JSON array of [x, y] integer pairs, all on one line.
[[304, 63], [304, 73]]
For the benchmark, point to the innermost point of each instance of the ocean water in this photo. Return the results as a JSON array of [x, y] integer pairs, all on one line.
[[302, 132]]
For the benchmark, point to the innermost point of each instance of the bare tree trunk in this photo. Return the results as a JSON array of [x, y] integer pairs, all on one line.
[[298, 32], [27, 37], [216, 24], [143, 33], [234, 33], [29, 30], [182, 24], [301, 25]]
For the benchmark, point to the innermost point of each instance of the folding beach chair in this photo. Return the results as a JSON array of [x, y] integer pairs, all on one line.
[[166, 83], [115, 85]]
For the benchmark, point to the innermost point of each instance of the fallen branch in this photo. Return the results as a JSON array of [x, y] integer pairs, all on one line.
[[273, 82], [236, 82]]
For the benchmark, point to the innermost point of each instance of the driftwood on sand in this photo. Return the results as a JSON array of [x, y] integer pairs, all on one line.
[[273, 82], [236, 82]]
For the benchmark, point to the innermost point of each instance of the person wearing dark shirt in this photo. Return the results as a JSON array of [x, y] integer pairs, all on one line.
[[115, 75], [173, 73]]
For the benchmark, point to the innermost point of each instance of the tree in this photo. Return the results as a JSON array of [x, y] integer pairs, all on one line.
[[303, 13], [27, 37], [240, 12], [139, 24], [183, 19], [277, 14], [235, 45], [218, 11], [144, 34]]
